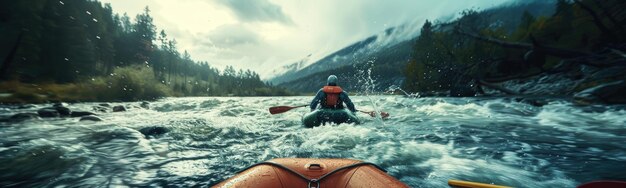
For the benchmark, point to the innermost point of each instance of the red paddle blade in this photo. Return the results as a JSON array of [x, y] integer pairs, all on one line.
[[384, 115], [280, 109]]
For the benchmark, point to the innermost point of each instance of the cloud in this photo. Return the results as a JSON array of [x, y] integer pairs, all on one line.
[[228, 36], [265, 34], [257, 11]]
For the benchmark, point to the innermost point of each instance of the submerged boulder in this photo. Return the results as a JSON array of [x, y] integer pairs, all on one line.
[[22, 117], [90, 118], [119, 108], [48, 112], [81, 113], [537, 102], [145, 105], [26, 106], [100, 109], [153, 131], [63, 111]]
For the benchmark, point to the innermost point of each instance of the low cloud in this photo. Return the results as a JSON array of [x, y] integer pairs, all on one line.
[[228, 36], [257, 11], [265, 34]]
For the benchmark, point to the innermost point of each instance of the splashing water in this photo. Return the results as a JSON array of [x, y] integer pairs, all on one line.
[[425, 142], [393, 88], [368, 85]]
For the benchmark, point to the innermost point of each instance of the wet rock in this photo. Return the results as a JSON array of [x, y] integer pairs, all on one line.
[[533, 102], [609, 73], [145, 105], [153, 131], [462, 91], [100, 109], [81, 113], [27, 106], [48, 112], [22, 117], [90, 118], [63, 111], [610, 93], [60, 104], [104, 105], [119, 108]]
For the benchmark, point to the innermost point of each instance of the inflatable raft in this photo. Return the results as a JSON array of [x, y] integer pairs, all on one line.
[[332, 173], [321, 116], [309, 173]]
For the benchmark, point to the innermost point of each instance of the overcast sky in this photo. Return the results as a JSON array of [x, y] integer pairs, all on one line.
[[264, 34]]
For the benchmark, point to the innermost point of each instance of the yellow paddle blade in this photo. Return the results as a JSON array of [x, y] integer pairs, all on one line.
[[469, 184]]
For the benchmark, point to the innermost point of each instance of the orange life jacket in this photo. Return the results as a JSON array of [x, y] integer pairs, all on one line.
[[332, 95]]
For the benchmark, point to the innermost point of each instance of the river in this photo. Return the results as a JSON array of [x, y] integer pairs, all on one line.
[[425, 142]]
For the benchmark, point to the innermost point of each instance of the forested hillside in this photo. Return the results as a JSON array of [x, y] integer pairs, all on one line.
[[80, 49], [582, 43], [386, 62]]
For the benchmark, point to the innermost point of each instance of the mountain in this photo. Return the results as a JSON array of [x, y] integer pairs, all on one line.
[[337, 59], [377, 62], [383, 53], [291, 68]]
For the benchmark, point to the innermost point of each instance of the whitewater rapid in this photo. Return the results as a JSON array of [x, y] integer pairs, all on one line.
[[425, 142]]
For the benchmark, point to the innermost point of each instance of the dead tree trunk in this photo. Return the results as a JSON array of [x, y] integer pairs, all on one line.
[[6, 65], [608, 14], [553, 51], [597, 20]]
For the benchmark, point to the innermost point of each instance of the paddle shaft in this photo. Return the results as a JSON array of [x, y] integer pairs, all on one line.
[[469, 184], [283, 109]]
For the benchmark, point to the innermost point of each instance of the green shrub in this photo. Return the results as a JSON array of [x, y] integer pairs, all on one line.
[[128, 84]]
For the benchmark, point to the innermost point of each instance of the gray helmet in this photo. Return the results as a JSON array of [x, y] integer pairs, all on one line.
[[332, 80]]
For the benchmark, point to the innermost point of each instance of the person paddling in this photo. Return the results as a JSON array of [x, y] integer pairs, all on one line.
[[331, 99], [332, 96]]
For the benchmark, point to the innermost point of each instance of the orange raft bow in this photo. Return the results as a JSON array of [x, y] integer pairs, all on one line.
[[303, 172]]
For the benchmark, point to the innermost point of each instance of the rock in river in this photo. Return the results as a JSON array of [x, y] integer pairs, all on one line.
[[153, 131], [48, 112], [90, 118], [100, 109], [23, 116], [610, 93], [81, 113], [119, 108], [145, 105], [63, 111]]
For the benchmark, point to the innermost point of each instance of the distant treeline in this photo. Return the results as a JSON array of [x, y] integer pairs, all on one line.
[[454, 56], [84, 42]]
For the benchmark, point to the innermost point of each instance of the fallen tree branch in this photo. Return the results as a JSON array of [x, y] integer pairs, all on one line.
[[516, 45], [608, 14], [6, 65], [553, 51], [596, 19]]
